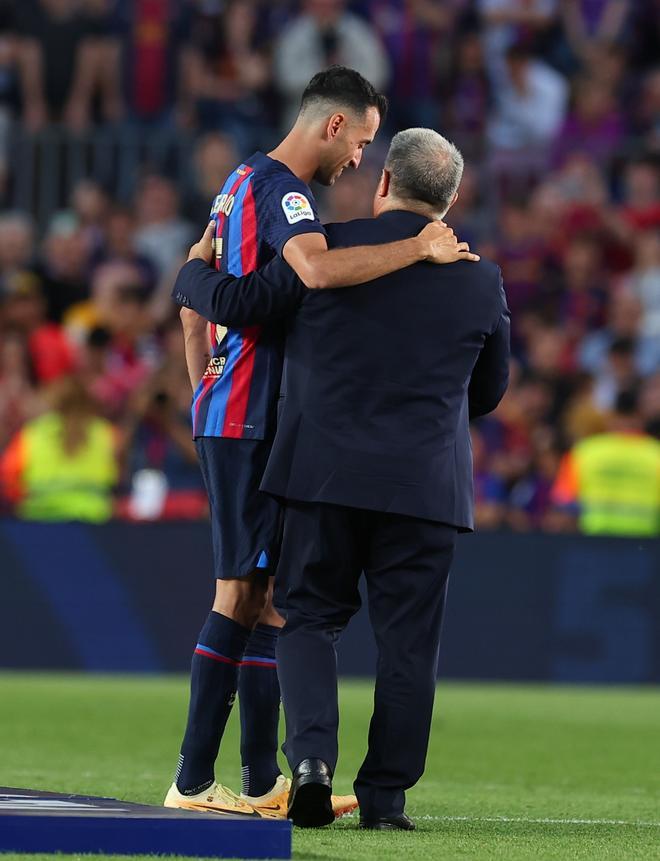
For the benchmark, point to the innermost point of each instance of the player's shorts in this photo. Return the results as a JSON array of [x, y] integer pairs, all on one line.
[[245, 523]]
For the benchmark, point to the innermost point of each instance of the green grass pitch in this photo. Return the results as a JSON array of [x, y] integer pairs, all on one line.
[[514, 772]]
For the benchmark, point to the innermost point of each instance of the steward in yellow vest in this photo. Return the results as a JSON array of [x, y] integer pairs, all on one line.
[[612, 480], [62, 465]]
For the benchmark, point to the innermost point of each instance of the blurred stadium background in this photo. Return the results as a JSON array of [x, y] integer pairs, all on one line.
[[119, 120]]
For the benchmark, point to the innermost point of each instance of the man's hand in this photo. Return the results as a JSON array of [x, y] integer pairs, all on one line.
[[203, 250], [442, 246]]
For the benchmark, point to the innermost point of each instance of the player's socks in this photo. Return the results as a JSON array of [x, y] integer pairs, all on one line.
[[259, 700], [213, 683]]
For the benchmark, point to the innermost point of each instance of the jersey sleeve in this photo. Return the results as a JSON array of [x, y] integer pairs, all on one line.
[[286, 208]]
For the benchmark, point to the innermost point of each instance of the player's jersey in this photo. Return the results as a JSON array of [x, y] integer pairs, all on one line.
[[260, 207]]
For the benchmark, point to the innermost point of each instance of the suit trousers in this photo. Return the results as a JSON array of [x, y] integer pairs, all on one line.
[[406, 564]]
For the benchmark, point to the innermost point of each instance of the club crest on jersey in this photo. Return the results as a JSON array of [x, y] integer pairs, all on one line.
[[296, 207]]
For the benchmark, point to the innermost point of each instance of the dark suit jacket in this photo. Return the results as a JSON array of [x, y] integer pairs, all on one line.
[[380, 379]]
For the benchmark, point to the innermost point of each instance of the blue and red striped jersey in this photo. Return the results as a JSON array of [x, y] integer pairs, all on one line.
[[260, 207]]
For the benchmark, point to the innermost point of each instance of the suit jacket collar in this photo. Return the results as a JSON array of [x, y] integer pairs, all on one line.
[[406, 221]]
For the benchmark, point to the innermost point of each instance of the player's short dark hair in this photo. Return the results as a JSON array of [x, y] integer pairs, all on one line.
[[341, 87]]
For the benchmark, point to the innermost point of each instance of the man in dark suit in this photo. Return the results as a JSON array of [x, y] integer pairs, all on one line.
[[372, 458]]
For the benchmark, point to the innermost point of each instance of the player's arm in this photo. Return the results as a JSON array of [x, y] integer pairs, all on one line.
[[320, 268], [196, 344], [292, 228], [263, 295], [255, 298]]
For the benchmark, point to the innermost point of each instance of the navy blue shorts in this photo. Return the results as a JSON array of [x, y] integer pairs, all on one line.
[[245, 523]]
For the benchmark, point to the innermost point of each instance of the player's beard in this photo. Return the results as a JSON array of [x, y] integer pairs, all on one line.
[[326, 174]]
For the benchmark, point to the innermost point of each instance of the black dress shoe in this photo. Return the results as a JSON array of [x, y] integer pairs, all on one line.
[[400, 822], [310, 804]]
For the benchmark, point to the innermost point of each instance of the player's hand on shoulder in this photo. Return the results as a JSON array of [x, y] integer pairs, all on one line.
[[203, 250], [441, 244]]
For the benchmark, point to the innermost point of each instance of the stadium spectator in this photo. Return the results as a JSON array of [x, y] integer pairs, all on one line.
[[594, 126], [610, 483], [506, 22], [213, 159], [649, 405], [624, 315], [63, 264], [109, 283], [641, 195], [228, 71], [529, 496], [610, 67], [520, 256], [529, 107], [118, 246], [113, 332], [18, 392], [322, 35], [581, 288], [489, 489], [414, 33], [57, 62], [645, 115], [588, 24], [469, 216], [102, 99], [645, 30], [617, 375], [150, 58], [132, 349], [644, 281], [62, 465], [9, 90], [467, 95], [162, 235], [586, 212], [581, 416], [91, 206], [51, 354], [157, 437], [17, 238]]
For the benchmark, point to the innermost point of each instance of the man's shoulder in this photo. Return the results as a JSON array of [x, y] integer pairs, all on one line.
[[275, 184], [482, 280], [354, 232], [269, 171], [483, 269]]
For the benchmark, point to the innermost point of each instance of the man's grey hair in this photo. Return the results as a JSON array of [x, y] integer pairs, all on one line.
[[424, 167]]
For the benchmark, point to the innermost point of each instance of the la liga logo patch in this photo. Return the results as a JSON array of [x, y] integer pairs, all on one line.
[[296, 207]]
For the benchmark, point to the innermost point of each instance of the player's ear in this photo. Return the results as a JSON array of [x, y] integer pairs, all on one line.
[[384, 184], [335, 122]]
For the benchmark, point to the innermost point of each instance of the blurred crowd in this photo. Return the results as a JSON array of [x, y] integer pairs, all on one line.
[[556, 106]]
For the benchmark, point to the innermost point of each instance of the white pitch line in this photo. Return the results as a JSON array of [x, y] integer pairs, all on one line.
[[637, 823]]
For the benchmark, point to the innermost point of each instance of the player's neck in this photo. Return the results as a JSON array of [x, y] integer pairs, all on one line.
[[296, 152]]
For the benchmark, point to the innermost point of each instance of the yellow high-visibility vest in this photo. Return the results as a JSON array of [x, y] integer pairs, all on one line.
[[58, 485], [618, 478]]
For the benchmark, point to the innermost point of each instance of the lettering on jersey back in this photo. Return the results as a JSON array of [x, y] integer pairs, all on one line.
[[223, 203]]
